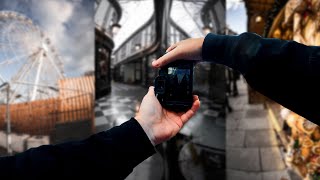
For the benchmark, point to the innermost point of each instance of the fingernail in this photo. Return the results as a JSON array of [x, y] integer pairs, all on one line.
[[155, 63]]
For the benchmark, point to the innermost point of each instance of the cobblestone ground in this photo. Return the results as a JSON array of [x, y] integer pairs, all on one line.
[[206, 128], [3, 152], [253, 150]]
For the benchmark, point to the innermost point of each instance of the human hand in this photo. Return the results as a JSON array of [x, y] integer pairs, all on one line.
[[189, 49], [158, 123]]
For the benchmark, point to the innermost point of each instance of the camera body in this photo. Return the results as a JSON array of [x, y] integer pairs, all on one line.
[[174, 85]]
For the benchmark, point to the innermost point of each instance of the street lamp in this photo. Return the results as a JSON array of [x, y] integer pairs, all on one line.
[[115, 28], [9, 150], [138, 47], [258, 19]]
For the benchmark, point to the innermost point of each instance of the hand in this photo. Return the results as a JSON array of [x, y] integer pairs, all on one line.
[[189, 49], [158, 123]]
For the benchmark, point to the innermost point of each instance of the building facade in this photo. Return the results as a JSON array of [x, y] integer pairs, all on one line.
[[107, 16]]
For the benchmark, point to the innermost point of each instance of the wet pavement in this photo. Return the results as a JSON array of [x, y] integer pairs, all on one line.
[[254, 150], [118, 106], [206, 131]]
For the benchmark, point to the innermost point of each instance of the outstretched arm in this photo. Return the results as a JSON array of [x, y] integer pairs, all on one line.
[[112, 154], [285, 71]]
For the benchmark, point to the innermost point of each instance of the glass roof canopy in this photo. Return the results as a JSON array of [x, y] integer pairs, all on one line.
[[134, 14], [185, 13]]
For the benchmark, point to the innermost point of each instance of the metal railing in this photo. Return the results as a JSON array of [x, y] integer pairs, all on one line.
[[141, 39], [144, 38]]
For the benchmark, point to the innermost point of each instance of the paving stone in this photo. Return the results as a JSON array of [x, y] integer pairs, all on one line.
[[192, 125], [260, 138], [254, 112], [221, 122], [211, 113], [212, 136], [100, 121], [236, 115], [271, 159], [190, 166], [125, 100], [238, 103], [233, 119], [246, 159], [275, 175], [104, 99], [128, 112], [255, 123], [104, 103], [97, 108], [255, 107], [102, 128], [148, 169], [243, 175], [232, 124], [216, 106], [108, 112], [105, 107], [203, 106], [121, 119], [235, 138], [98, 113]]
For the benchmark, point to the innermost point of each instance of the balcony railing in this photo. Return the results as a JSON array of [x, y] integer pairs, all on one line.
[[141, 39], [107, 14], [144, 38]]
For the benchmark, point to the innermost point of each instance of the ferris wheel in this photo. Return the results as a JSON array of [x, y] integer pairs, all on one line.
[[29, 63]]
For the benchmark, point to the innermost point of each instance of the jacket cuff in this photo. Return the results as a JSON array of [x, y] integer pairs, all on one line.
[[141, 146], [215, 48]]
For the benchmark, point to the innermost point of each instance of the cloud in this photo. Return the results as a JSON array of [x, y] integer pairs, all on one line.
[[233, 4], [237, 17], [69, 26], [53, 15]]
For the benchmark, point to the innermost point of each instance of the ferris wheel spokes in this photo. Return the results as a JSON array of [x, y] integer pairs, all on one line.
[[27, 55], [37, 76]]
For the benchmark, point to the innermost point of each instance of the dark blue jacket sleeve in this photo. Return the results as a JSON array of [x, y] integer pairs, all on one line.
[[284, 71], [110, 154]]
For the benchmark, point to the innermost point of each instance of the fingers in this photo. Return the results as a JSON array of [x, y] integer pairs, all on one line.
[[166, 58], [195, 97], [151, 91], [171, 47], [195, 106]]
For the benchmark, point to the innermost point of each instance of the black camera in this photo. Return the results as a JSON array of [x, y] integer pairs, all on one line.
[[174, 85]]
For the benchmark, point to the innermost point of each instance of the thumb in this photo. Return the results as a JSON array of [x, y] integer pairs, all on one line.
[[151, 90]]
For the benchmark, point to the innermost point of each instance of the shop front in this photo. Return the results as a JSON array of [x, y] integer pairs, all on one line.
[[299, 21]]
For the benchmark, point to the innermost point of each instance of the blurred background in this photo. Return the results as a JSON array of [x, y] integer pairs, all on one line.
[[237, 133]]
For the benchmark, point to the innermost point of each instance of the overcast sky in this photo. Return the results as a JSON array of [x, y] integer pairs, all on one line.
[[236, 16], [69, 25]]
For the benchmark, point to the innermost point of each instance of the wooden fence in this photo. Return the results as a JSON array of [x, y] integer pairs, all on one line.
[[40, 117]]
